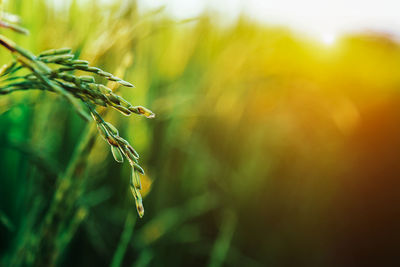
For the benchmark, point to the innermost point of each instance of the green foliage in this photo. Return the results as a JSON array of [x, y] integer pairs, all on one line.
[[259, 152]]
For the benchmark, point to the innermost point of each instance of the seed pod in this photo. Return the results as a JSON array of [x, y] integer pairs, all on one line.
[[104, 89], [102, 131], [57, 58], [112, 128], [138, 200], [65, 50], [139, 207], [93, 69], [111, 140], [10, 17], [62, 69], [138, 168], [131, 157], [13, 27], [88, 79], [67, 77], [104, 73], [123, 110], [5, 69], [31, 77], [135, 192], [117, 154], [143, 111], [133, 151], [125, 83], [93, 86], [124, 103], [80, 62], [100, 102], [113, 78], [121, 140], [135, 180], [113, 98], [53, 52]]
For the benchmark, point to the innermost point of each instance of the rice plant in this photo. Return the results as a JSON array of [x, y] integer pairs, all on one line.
[[55, 71], [266, 144]]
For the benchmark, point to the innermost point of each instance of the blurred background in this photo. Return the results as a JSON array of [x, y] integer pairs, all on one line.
[[276, 141]]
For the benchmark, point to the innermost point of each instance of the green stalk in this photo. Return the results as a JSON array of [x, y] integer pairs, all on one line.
[[124, 240], [63, 205], [223, 241]]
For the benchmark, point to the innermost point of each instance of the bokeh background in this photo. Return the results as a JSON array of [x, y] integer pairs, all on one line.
[[269, 148]]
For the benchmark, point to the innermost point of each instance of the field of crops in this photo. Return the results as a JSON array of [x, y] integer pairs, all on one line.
[[267, 149]]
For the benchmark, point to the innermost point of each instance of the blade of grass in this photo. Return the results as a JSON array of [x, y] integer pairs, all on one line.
[[144, 258], [6, 221], [223, 241], [63, 201], [124, 240], [173, 217]]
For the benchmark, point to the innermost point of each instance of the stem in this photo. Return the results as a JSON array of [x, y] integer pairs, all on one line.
[[223, 241], [64, 203], [124, 240]]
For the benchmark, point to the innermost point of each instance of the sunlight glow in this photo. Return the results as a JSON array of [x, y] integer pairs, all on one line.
[[308, 16], [328, 38]]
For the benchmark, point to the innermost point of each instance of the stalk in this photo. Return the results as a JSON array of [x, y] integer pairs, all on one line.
[[63, 206]]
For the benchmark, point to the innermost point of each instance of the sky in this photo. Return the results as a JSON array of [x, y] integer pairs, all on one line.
[[317, 18], [322, 19]]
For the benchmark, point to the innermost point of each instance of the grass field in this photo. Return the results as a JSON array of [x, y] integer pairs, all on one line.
[[268, 148]]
